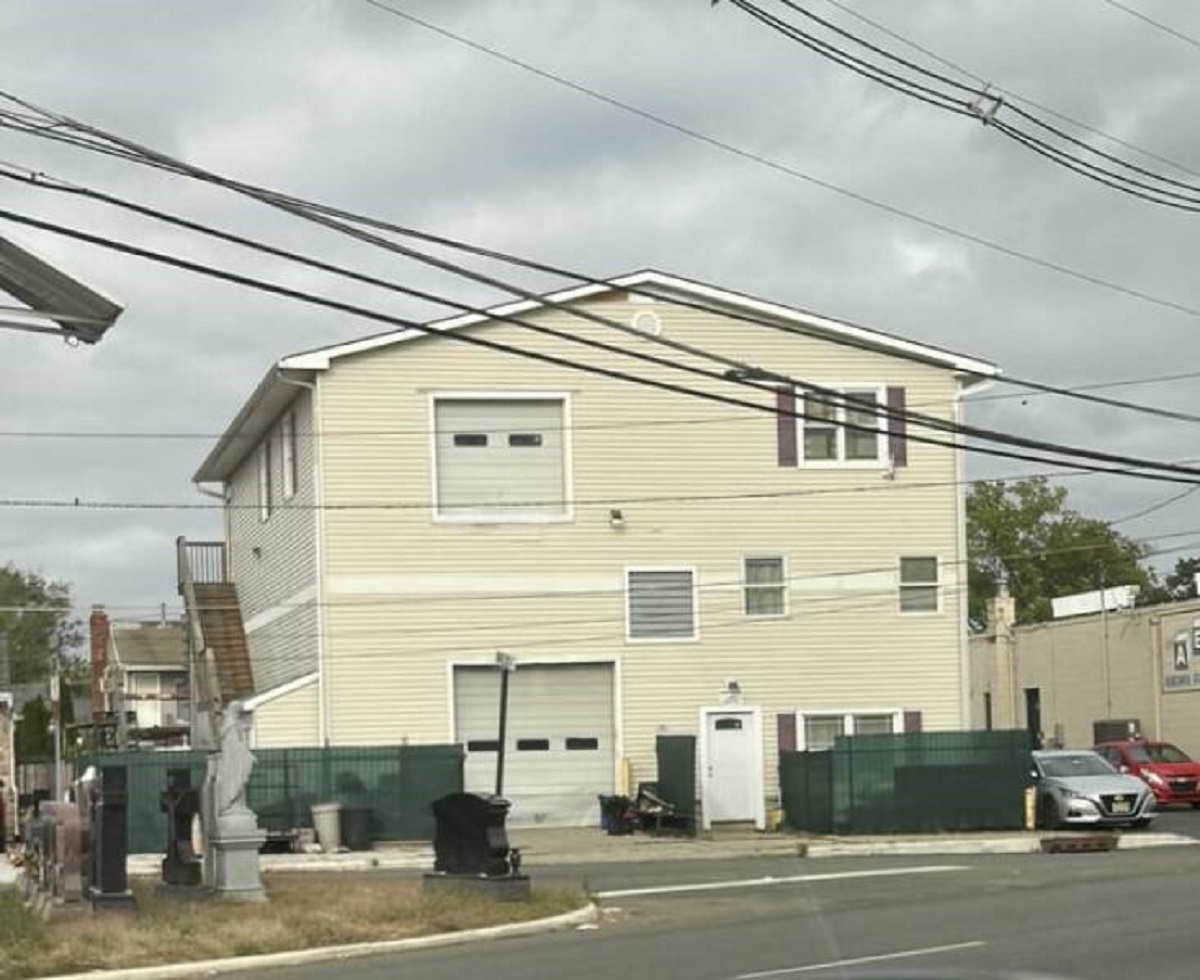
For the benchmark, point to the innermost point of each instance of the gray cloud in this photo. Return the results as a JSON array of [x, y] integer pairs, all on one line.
[[344, 103]]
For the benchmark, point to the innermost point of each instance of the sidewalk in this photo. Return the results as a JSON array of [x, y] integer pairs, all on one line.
[[545, 847], [8, 874]]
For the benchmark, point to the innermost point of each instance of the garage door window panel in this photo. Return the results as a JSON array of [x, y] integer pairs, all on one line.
[[501, 460]]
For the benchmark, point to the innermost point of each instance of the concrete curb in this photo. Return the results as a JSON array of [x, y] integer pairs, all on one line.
[[1031, 844], [583, 916]]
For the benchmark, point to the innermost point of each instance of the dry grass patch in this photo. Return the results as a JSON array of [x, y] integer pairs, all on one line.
[[304, 911]]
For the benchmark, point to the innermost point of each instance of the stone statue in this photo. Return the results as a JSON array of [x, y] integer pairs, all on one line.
[[235, 761]]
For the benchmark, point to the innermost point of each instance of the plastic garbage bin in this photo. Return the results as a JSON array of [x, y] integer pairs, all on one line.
[[356, 828], [327, 821]]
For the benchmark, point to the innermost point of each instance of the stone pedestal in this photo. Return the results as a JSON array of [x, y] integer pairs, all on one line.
[[233, 850]]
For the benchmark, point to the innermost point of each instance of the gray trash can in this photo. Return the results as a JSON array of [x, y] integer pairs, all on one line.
[[327, 821]]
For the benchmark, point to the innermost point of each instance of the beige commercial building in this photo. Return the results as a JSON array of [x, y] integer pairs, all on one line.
[[1062, 678], [402, 508]]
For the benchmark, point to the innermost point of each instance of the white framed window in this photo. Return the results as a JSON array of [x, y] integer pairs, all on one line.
[[287, 439], [819, 729], [764, 588], [920, 590], [264, 481], [824, 437], [501, 458], [661, 605]]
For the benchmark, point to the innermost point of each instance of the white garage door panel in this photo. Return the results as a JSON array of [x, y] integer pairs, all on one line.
[[560, 744]]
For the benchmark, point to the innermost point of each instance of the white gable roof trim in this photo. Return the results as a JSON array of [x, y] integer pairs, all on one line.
[[320, 359], [274, 392]]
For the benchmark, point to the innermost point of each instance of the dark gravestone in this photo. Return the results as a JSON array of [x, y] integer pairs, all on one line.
[[471, 838], [110, 836], [181, 804]]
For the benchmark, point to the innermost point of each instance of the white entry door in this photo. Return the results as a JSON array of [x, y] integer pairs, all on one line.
[[733, 775], [560, 745]]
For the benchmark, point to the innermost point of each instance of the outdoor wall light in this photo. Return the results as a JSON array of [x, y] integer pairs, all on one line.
[[256, 551], [616, 519]]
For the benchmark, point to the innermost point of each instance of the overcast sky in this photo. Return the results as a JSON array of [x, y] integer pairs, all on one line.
[[345, 103]]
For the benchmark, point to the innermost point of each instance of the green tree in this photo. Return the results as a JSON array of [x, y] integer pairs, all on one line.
[[32, 736], [35, 613], [1180, 583], [1025, 531]]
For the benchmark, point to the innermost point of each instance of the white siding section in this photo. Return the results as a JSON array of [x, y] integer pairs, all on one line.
[[698, 486], [284, 565], [287, 721]]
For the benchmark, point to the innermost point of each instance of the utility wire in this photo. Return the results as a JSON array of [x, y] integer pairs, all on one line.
[[296, 206], [1159, 25], [1009, 94], [1100, 174], [825, 395], [1154, 508], [779, 167]]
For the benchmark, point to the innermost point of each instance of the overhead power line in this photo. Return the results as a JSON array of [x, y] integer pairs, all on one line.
[[1010, 95], [304, 209], [779, 167], [1157, 24], [1128, 464], [982, 103]]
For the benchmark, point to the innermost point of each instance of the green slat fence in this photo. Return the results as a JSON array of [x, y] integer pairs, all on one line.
[[921, 782], [397, 784]]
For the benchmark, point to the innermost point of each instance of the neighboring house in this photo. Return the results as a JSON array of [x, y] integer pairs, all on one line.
[[1063, 678], [140, 679], [402, 508]]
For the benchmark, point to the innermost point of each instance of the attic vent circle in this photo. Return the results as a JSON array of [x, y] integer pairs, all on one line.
[[647, 322]]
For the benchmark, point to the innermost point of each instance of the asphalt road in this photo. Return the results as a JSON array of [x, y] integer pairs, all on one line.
[[1179, 820], [1125, 914]]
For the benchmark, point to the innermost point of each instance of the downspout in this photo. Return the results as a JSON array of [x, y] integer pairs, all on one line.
[[316, 416], [963, 569], [1156, 682]]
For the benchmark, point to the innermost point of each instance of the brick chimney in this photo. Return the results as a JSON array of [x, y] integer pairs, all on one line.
[[98, 628]]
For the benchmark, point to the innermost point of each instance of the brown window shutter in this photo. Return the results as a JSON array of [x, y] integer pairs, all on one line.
[[785, 406], [912, 721], [786, 729], [897, 428]]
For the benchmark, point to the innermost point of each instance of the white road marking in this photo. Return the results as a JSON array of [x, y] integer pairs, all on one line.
[[859, 960], [709, 886]]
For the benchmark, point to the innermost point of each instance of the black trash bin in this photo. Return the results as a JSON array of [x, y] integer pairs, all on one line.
[[356, 828]]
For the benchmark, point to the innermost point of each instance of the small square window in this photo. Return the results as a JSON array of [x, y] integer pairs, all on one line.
[[919, 585], [820, 731], [841, 427], [765, 587], [661, 604]]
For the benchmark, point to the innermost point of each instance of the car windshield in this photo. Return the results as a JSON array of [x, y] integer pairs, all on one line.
[[1157, 752], [1078, 764]]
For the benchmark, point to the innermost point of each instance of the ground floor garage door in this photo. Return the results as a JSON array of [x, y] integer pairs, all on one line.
[[560, 746]]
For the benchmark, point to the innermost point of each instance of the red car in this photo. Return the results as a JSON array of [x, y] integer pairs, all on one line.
[[1170, 772]]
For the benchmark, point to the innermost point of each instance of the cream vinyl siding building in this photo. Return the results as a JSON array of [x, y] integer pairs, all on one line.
[[653, 561]]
